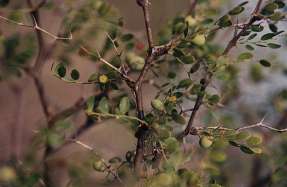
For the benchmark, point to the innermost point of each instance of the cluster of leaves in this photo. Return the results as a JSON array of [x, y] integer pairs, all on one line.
[[193, 55]]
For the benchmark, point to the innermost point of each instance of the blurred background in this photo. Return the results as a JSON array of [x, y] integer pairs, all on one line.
[[256, 92]]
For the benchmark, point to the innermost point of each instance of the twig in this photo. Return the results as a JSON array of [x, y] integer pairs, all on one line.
[[124, 76], [260, 124], [107, 167], [192, 6], [209, 75], [37, 27], [145, 5], [117, 116], [80, 104]]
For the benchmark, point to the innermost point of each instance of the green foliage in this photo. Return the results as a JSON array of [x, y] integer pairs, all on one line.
[[180, 79]]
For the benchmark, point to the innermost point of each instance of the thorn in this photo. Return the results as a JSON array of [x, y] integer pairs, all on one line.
[[35, 22]]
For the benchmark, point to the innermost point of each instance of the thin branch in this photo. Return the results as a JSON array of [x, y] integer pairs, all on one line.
[[145, 5], [117, 116], [114, 44], [192, 6], [260, 124], [124, 76], [37, 28], [79, 105], [209, 75], [108, 168]]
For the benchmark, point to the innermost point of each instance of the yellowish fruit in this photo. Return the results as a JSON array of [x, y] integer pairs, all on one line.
[[103, 79], [205, 142], [190, 21], [157, 104], [7, 174], [99, 166], [164, 179], [199, 39], [136, 62], [172, 99]]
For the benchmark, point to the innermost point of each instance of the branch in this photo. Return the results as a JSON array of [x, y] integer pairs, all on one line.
[[261, 124], [192, 6], [108, 167], [145, 4], [37, 28], [117, 116], [79, 105], [209, 75], [98, 55]]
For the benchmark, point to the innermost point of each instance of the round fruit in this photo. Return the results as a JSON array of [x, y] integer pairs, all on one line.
[[190, 21], [205, 142], [7, 174], [199, 39], [135, 62], [157, 104], [99, 166]]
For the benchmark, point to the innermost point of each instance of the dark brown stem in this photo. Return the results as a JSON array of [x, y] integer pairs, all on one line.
[[79, 105], [192, 7], [147, 23]]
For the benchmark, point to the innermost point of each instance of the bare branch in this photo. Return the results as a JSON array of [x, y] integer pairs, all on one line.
[[37, 28]]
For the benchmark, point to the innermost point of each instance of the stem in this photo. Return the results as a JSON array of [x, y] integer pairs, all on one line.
[[232, 43]]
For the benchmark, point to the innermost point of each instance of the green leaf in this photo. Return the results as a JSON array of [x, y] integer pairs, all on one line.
[[103, 106], [90, 104], [252, 36], [194, 68], [54, 139], [127, 37], [265, 63], [179, 28], [184, 83], [214, 99], [273, 27], [273, 45], [115, 160], [269, 9], [179, 119], [225, 21], [280, 3], [75, 75], [249, 47], [242, 135], [124, 105], [217, 156], [187, 59], [246, 149], [237, 10], [257, 28], [171, 75], [277, 16], [269, 36], [254, 140], [93, 77], [61, 70], [178, 53], [233, 143], [171, 145], [245, 56]]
